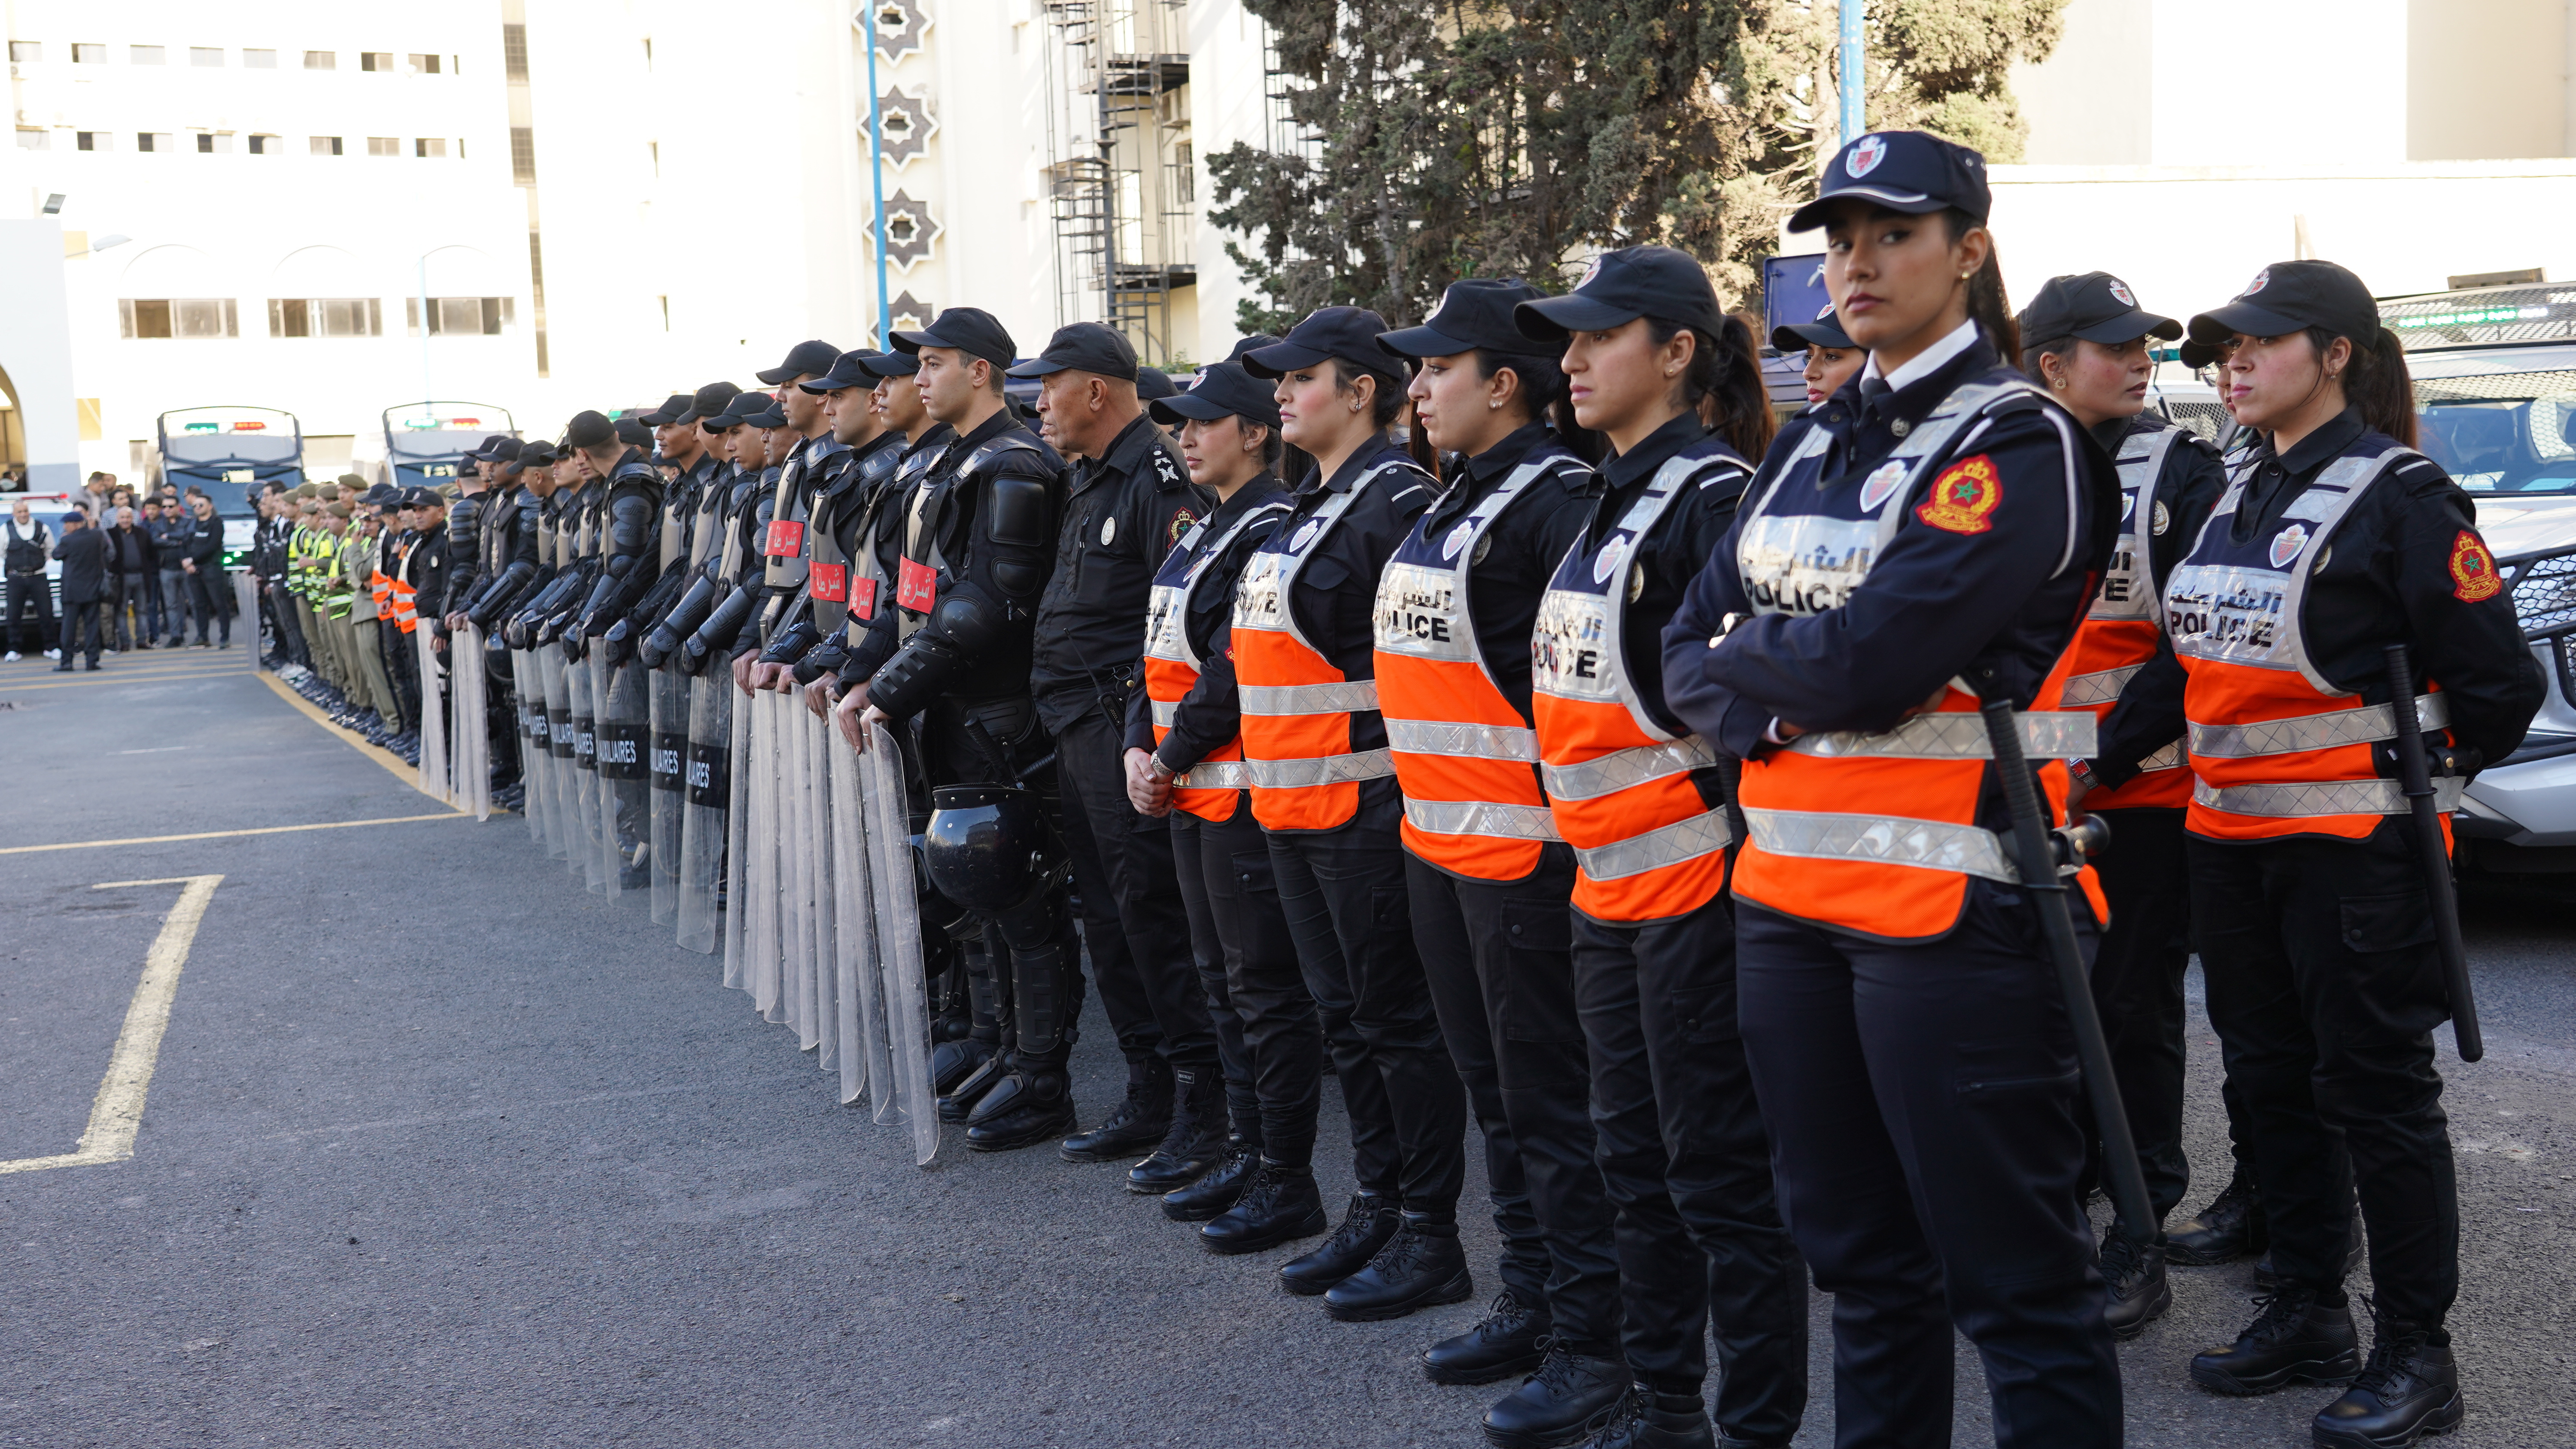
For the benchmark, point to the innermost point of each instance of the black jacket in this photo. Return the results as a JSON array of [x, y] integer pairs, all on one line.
[[83, 555], [1123, 511], [130, 551]]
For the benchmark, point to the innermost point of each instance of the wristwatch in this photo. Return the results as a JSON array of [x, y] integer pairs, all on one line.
[[1155, 767], [2082, 773]]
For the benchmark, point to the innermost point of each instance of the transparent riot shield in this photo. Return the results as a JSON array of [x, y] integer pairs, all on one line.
[[625, 728], [589, 860], [708, 780], [431, 776], [860, 1018], [760, 942], [563, 827], [536, 765], [244, 602], [737, 854], [796, 916], [907, 1098], [469, 734], [666, 755], [825, 910]]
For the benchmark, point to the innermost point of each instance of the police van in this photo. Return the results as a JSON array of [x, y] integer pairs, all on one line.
[[425, 442], [228, 454]]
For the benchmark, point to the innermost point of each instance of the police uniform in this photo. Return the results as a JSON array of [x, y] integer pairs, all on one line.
[[1324, 788], [1923, 540], [2312, 913], [1123, 511], [808, 639]]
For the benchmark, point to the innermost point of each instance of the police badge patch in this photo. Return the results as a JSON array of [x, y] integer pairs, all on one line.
[[1865, 155], [1963, 496], [1881, 482], [2473, 570], [2286, 545], [2163, 520]]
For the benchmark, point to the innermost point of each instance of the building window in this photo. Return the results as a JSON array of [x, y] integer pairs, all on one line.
[[325, 317], [462, 316], [34, 138], [423, 64], [321, 60], [144, 318], [151, 140], [375, 60], [523, 156], [89, 55], [514, 52], [384, 145], [429, 146], [214, 145], [265, 146], [205, 55], [259, 60], [92, 140], [26, 50], [143, 54], [325, 145], [1185, 175]]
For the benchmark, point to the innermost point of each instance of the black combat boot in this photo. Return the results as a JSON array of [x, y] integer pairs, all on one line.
[[2231, 1227], [959, 1103], [1136, 1124], [1278, 1204], [1422, 1266], [1032, 1104], [1196, 1140], [1649, 1420], [2136, 1275], [1367, 1223], [1512, 1339], [1571, 1395], [2267, 1278], [2409, 1390], [2294, 1339], [952, 1061], [1219, 1190]]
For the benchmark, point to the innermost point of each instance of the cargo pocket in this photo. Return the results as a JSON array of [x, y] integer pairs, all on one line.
[[1538, 996], [1705, 1014], [2386, 923], [2004, 1071], [1252, 874]]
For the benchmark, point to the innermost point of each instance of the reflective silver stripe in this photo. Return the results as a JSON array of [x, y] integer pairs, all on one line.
[[1462, 741], [2168, 758], [1481, 817], [1686, 839], [1624, 769], [2359, 725], [1294, 699], [2099, 688], [1952, 736], [1167, 712], [1883, 839], [2319, 797], [1330, 770], [1215, 775]]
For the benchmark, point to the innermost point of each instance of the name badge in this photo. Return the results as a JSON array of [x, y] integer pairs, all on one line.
[[786, 539], [917, 587], [863, 599], [829, 583]]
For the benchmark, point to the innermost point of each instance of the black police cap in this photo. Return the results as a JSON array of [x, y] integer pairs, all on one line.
[[2288, 297], [504, 451], [709, 401], [1348, 333], [483, 452], [848, 370], [632, 432], [536, 454], [1223, 389], [1825, 331], [669, 412], [1243, 345], [2197, 355], [772, 415], [970, 330], [382, 495], [2094, 306], [810, 356], [892, 364], [1472, 315], [1621, 286], [589, 429], [1153, 382], [1083, 347], [1906, 171], [419, 498]]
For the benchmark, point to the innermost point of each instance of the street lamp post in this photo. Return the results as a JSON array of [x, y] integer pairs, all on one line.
[[876, 180], [1854, 16]]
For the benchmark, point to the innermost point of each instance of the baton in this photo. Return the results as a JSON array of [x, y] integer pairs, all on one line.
[[2037, 859], [2415, 776]]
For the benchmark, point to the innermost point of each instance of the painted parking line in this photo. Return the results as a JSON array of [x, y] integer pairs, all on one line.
[[116, 1113], [408, 774], [228, 834]]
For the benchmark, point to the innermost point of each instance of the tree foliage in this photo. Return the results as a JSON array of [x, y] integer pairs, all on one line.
[[1513, 137]]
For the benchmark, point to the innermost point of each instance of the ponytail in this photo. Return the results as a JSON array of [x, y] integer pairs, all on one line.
[[1987, 304], [2375, 381], [1725, 383]]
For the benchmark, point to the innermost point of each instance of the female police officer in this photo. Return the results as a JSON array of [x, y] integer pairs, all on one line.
[[1832, 357], [2335, 540], [1486, 869], [1653, 364], [1925, 539]]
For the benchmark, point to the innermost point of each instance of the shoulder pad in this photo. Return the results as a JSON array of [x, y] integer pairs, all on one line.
[[635, 467], [880, 464], [1022, 510], [991, 452]]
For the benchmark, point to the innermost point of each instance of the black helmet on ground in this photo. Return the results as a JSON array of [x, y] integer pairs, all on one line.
[[986, 845]]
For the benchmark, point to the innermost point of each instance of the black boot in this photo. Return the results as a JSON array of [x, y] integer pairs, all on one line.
[[1367, 1223], [1422, 1266], [1649, 1420], [1196, 1140], [2136, 1275], [952, 1060], [959, 1104], [2231, 1227], [1512, 1339], [2294, 1339], [1034, 1103], [2409, 1390], [2267, 1278], [1219, 1190], [1278, 1205], [1136, 1124], [1570, 1395]]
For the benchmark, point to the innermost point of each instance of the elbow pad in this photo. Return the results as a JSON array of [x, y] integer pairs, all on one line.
[[967, 621], [630, 526], [682, 621], [911, 679], [791, 643], [723, 622]]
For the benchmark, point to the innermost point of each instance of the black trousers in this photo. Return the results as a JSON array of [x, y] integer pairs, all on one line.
[[1343, 893], [1029, 952], [1498, 956], [290, 634], [1689, 1169], [210, 592], [1131, 857], [81, 624], [1268, 1037], [1921, 1100], [2325, 986], [2137, 988], [32, 600]]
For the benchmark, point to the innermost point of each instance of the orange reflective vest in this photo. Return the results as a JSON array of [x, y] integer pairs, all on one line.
[[1878, 833], [1213, 788], [1620, 786], [1298, 707], [2120, 629], [1466, 759], [399, 589], [2277, 748]]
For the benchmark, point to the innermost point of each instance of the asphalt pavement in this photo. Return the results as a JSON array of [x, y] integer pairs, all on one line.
[[440, 1150]]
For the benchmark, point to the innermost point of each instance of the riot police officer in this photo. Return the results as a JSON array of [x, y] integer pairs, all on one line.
[[840, 497]]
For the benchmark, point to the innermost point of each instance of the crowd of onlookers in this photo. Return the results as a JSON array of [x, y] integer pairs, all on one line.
[[137, 572]]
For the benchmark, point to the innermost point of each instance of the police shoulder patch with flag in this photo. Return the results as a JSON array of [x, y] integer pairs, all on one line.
[[2473, 570], [1963, 496]]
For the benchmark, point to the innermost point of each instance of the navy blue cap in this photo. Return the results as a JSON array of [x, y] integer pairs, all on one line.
[[850, 369], [589, 428], [1153, 382], [1472, 315], [1243, 345], [487, 450], [1621, 286], [813, 356], [970, 330], [709, 401], [420, 498], [669, 412], [1825, 331], [383, 495], [1908, 171], [2288, 297], [742, 409], [1083, 347], [1349, 333], [2095, 306], [772, 416], [632, 432], [1223, 389], [892, 364]]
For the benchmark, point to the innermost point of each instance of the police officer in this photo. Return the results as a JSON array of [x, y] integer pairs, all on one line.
[[1672, 385], [1127, 501], [731, 629], [1832, 357], [2335, 540], [626, 541], [809, 641], [1185, 764], [1324, 789], [709, 480], [870, 524], [1485, 868], [975, 563], [1925, 539], [792, 497]]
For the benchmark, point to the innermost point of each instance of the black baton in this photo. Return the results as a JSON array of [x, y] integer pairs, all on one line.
[[2036, 858], [2415, 777]]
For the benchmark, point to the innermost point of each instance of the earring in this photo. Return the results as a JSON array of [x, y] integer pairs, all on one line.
[[1493, 402], [2061, 384]]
